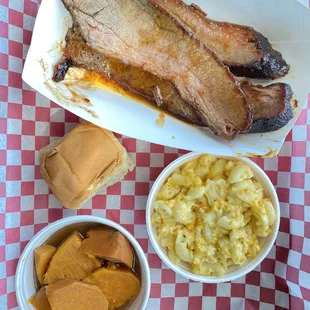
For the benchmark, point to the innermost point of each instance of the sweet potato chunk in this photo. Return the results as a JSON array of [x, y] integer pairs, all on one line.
[[108, 243], [68, 294], [68, 262], [42, 257], [40, 301], [118, 285]]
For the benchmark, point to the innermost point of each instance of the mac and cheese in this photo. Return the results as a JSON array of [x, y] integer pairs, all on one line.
[[210, 213]]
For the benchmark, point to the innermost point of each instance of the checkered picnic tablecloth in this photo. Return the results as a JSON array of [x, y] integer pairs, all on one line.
[[28, 121]]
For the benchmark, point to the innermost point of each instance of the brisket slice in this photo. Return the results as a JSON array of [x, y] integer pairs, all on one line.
[[142, 83], [271, 105], [140, 35], [247, 52]]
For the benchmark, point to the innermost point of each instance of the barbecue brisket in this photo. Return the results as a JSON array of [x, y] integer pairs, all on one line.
[[247, 52], [271, 104], [140, 35]]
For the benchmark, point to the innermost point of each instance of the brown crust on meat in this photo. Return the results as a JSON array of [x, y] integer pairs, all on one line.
[[270, 66], [199, 9], [269, 63], [61, 69], [275, 106]]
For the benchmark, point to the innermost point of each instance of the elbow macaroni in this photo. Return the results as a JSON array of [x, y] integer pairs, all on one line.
[[211, 213]]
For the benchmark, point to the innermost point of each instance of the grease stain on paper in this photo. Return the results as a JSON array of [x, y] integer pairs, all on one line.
[[43, 65], [57, 49], [294, 103], [71, 96], [270, 154], [160, 121], [68, 91], [268, 139]]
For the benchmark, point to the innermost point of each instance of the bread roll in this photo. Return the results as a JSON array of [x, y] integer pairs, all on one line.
[[85, 161]]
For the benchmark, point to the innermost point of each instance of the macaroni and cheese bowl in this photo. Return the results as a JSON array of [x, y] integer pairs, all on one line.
[[212, 218]]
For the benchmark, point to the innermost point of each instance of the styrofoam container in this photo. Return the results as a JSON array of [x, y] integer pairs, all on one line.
[[233, 272], [25, 280]]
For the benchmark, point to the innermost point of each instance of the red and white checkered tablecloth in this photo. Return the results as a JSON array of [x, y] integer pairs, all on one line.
[[28, 121]]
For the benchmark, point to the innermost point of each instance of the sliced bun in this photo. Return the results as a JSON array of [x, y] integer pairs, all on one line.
[[85, 161]]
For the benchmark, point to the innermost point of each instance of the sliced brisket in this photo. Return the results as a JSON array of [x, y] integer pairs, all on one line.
[[142, 83], [140, 35], [247, 52], [271, 104]]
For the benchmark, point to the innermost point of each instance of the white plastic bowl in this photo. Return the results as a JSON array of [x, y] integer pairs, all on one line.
[[25, 285], [233, 272]]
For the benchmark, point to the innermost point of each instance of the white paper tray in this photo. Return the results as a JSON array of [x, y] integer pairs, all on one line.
[[286, 23]]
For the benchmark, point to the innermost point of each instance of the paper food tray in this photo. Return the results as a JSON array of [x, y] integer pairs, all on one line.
[[286, 23]]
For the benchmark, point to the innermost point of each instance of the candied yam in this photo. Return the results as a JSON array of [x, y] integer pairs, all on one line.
[[40, 301], [42, 257], [117, 284], [108, 243], [69, 294], [69, 262]]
